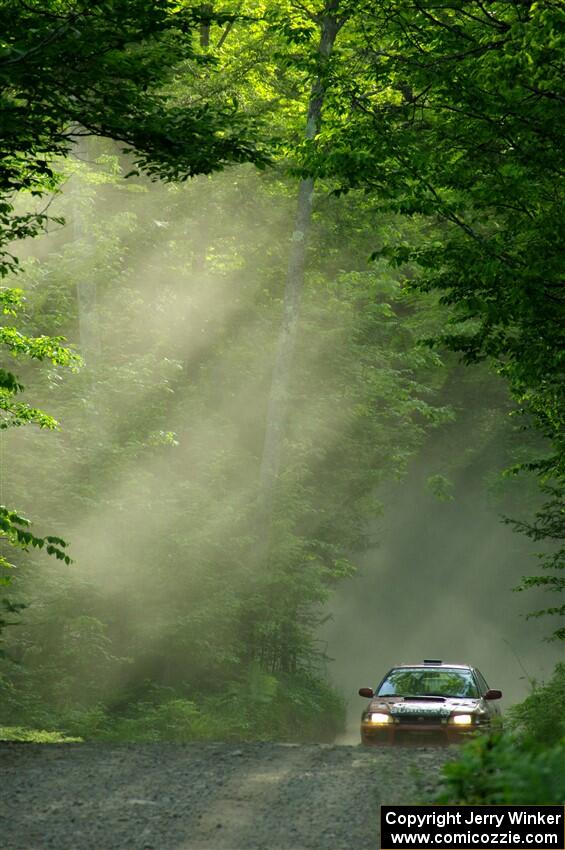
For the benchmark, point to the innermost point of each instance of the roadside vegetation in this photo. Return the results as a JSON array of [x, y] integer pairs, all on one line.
[[525, 764]]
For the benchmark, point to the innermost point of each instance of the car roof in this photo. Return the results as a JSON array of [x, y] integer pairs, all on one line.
[[432, 664]]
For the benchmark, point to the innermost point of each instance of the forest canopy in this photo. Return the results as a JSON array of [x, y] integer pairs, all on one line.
[[69, 70]]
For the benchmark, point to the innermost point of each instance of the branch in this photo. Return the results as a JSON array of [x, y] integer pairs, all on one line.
[[226, 32], [48, 40]]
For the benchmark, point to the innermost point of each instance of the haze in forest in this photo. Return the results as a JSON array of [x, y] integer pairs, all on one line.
[[438, 585], [160, 444]]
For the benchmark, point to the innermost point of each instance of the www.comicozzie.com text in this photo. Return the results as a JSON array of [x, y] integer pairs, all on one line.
[[481, 839]]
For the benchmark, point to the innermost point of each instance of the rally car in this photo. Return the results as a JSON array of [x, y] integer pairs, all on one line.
[[429, 702]]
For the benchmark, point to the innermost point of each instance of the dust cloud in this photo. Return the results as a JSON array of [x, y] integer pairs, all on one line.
[[439, 585]]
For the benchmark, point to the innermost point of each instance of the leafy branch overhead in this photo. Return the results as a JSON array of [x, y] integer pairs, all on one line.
[[13, 412], [15, 529], [105, 69], [95, 69]]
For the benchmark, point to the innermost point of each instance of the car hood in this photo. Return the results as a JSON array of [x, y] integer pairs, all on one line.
[[423, 705]]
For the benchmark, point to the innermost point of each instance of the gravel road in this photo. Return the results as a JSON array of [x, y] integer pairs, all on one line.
[[205, 796]]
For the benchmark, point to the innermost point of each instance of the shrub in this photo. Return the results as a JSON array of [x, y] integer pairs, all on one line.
[[260, 707], [34, 736], [264, 707], [542, 715], [506, 769]]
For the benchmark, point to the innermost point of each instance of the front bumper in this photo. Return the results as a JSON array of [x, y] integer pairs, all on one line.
[[418, 732]]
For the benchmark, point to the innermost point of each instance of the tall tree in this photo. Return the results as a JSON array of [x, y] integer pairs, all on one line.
[[458, 118], [329, 23], [86, 289]]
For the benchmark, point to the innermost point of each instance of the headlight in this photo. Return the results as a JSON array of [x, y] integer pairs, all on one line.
[[461, 719], [379, 717]]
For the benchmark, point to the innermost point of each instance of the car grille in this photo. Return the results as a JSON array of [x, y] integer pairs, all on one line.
[[424, 719]]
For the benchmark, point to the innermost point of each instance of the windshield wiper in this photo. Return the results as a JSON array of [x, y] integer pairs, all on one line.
[[453, 696]]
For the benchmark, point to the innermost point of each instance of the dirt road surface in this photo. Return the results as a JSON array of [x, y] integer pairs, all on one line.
[[205, 796]]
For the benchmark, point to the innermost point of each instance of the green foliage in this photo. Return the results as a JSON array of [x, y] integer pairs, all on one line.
[[91, 69], [34, 736], [548, 525], [171, 719], [525, 765], [456, 117], [541, 716], [505, 770], [16, 413], [286, 708], [258, 708], [441, 487], [15, 529], [79, 70]]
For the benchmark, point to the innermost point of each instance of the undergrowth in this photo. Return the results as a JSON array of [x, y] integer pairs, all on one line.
[[34, 736], [261, 707], [524, 765]]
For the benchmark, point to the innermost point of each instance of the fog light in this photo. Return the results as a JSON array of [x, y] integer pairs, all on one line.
[[462, 719], [379, 717]]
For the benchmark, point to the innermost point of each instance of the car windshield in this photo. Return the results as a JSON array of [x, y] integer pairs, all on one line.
[[418, 681]]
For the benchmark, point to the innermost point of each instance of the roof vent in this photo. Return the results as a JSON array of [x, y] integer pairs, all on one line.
[[433, 661]]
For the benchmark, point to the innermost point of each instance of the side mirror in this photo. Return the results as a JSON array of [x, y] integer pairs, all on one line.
[[493, 694], [366, 692]]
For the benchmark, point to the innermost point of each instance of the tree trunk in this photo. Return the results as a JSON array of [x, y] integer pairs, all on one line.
[[206, 9], [88, 320], [278, 399], [89, 328]]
